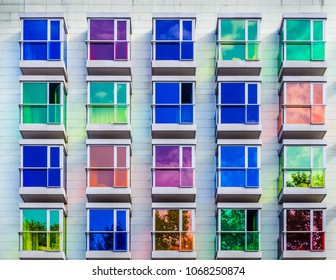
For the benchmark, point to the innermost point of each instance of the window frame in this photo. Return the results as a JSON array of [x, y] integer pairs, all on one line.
[[179, 105], [115, 38], [47, 41], [62, 162], [115, 158], [245, 168], [113, 105], [180, 167], [127, 223], [221, 42], [220, 104], [180, 40], [179, 231], [220, 231], [61, 230]]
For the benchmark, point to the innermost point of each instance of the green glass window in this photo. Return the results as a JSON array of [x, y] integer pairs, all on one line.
[[238, 39], [41, 230], [302, 166], [304, 39], [42, 103], [108, 103], [239, 229]]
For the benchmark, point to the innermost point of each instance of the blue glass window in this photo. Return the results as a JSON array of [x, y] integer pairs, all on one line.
[[108, 230], [238, 103], [41, 166], [174, 103], [238, 166], [173, 39], [42, 39]]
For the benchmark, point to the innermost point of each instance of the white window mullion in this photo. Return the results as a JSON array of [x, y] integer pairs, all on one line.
[[246, 100], [114, 228], [246, 164]]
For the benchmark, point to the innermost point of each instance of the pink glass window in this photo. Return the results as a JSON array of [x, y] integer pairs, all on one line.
[[108, 39], [108, 166], [173, 166]]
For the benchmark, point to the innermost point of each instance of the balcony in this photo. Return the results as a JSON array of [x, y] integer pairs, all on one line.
[[174, 131], [238, 194], [238, 131]]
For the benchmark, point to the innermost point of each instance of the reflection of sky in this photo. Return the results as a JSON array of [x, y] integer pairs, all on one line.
[[298, 156], [101, 29], [101, 156], [101, 219], [167, 30], [232, 156], [167, 156]]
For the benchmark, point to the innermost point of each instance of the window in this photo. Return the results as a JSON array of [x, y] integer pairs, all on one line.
[[42, 166], [173, 39], [238, 166], [238, 39], [301, 103], [302, 166], [108, 230], [108, 166], [302, 39], [173, 230], [43, 103], [108, 103], [173, 103], [42, 230], [173, 166], [42, 39], [238, 229], [302, 229], [238, 103], [108, 39]]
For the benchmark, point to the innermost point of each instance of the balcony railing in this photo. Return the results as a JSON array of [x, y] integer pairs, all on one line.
[[173, 50], [49, 241], [108, 114], [173, 241], [182, 177], [42, 50], [248, 241], [117, 177], [108, 50], [41, 114], [117, 241], [238, 50]]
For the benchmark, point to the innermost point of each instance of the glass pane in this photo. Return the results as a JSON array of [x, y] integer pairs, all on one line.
[[298, 241], [34, 114], [187, 30], [121, 156], [101, 242], [187, 241], [101, 220], [54, 50], [318, 241], [55, 29], [232, 156], [298, 220], [167, 93], [186, 93], [54, 220], [55, 157], [232, 178], [101, 93], [232, 93], [187, 156], [167, 241], [187, 114], [34, 51], [120, 241], [252, 177], [101, 156], [298, 51], [298, 30], [298, 179], [232, 51], [101, 178], [167, 220], [34, 241], [35, 29], [252, 93], [54, 114], [318, 51], [121, 93], [167, 156], [121, 30], [167, 51], [297, 156], [252, 30], [317, 30], [318, 178], [252, 114], [252, 153], [34, 220], [121, 51], [121, 177], [252, 220], [232, 29], [167, 178], [54, 177], [167, 29], [233, 241], [34, 178], [102, 115], [122, 114], [54, 241], [232, 220], [317, 94], [318, 220], [101, 29], [318, 157], [187, 177], [298, 93], [35, 93], [298, 115], [187, 50], [233, 114], [101, 51], [168, 114], [252, 51], [35, 156], [252, 241], [187, 220], [54, 93]]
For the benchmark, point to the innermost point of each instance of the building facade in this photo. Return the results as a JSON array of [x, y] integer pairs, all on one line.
[[167, 129]]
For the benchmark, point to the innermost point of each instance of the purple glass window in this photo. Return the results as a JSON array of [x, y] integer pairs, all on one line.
[[173, 166], [108, 39]]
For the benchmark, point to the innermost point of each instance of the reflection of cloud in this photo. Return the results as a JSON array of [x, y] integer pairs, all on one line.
[[298, 156], [101, 94]]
